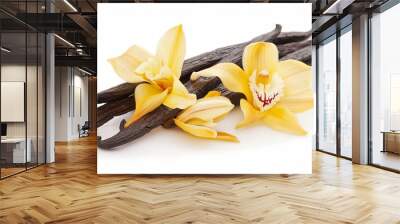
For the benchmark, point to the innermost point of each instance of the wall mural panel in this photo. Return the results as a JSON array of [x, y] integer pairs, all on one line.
[[170, 104]]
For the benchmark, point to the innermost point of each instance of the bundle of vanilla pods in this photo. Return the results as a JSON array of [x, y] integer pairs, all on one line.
[[120, 99]]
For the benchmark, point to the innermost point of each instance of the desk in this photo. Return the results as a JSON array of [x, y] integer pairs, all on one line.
[[391, 141], [13, 150]]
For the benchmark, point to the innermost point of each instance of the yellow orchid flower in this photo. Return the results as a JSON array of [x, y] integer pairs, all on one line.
[[199, 118], [274, 89], [159, 73]]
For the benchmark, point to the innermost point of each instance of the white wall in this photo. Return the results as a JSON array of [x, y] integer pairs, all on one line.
[[69, 82], [79, 117], [62, 78]]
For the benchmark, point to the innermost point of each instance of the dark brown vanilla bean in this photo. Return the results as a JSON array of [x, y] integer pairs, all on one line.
[[288, 48], [303, 54], [162, 114], [116, 93], [289, 37], [109, 110]]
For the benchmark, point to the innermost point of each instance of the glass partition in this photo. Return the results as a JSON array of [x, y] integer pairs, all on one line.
[[22, 101], [327, 96], [385, 90], [14, 155]]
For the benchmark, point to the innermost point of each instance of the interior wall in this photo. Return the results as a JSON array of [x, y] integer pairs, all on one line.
[[79, 102], [62, 81], [71, 102]]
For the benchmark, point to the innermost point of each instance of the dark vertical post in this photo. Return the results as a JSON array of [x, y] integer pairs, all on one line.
[[37, 90], [317, 96], [338, 82], [45, 94], [369, 96], [0, 97], [26, 87]]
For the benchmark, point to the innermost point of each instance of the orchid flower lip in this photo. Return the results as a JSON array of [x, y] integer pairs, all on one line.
[[266, 100], [266, 93]]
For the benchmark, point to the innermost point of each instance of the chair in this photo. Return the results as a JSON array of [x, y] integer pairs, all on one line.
[[84, 130]]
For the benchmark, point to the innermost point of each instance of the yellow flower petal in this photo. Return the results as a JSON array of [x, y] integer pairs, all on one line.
[[231, 75], [259, 57], [226, 137], [147, 98], [198, 131], [207, 109], [282, 119], [150, 67], [171, 49], [250, 114], [200, 117], [297, 77], [154, 73], [200, 122], [126, 64], [179, 96], [205, 132], [299, 102], [212, 93]]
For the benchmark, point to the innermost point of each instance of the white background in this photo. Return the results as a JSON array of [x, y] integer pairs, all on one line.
[[12, 98], [206, 27]]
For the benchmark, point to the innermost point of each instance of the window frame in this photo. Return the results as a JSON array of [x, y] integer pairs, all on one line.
[[334, 37]]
